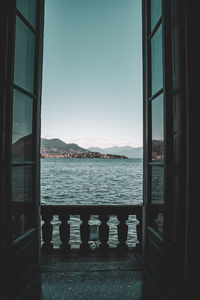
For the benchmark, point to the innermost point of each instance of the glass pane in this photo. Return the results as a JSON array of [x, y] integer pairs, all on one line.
[[22, 206], [28, 10], [24, 56], [157, 198], [157, 192], [156, 61], [22, 127], [157, 129], [156, 12]]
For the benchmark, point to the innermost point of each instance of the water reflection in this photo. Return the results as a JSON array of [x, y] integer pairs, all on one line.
[[157, 198], [157, 128], [22, 127], [157, 149], [22, 205]]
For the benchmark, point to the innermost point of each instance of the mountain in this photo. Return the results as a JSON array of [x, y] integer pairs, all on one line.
[[56, 146], [130, 152], [53, 147]]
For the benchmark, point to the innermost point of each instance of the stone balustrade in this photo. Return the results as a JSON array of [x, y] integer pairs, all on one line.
[[85, 212]]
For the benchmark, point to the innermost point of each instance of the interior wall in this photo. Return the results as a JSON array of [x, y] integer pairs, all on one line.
[[192, 125]]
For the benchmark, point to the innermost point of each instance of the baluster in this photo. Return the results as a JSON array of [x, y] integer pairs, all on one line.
[[139, 231], [64, 229], [47, 229], [85, 232], [122, 230], [104, 232]]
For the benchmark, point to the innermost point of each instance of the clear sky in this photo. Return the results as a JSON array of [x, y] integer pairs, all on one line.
[[92, 72]]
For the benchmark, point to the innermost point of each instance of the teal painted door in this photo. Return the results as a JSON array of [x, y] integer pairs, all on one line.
[[22, 161], [157, 135]]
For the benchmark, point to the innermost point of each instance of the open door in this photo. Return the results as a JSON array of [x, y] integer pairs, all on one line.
[[158, 131], [167, 43], [21, 61]]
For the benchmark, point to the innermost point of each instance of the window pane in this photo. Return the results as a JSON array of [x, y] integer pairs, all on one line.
[[156, 12], [22, 206], [157, 129], [157, 192], [156, 61], [24, 56], [28, 10], [22, 127], [157, 198]]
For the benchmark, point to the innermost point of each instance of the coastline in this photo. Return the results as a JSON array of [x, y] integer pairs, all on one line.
[[84, 155]]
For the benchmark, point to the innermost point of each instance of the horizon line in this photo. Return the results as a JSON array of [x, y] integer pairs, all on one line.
[[94, 146]]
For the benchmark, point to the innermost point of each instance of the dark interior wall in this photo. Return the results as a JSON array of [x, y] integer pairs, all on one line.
[[185, 86], [6, 66], [192, 129], [183, 213], [177, 209]]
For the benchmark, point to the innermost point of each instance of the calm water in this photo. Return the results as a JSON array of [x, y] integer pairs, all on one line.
[[92, 181]]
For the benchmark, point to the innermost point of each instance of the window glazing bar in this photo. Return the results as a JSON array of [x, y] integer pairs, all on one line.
[[155, 28], [26, 22]]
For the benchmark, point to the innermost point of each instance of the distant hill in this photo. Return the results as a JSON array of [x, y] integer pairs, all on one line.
[[56, 146], [130, 152]]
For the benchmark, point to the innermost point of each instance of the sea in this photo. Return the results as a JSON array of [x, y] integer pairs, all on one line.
[[88, 181]]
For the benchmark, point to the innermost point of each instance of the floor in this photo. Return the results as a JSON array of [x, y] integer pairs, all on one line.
[[93, 276]]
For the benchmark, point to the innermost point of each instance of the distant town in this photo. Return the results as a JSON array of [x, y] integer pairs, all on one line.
[[83, 155], [55, 148]]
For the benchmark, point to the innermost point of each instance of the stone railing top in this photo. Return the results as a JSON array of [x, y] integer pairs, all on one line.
[[91, 209]]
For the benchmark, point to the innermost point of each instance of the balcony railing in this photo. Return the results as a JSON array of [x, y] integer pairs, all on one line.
[[102, 230]]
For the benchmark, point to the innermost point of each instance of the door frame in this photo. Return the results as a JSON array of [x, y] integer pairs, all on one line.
[[162, 243], [7, 65], [7, 35]]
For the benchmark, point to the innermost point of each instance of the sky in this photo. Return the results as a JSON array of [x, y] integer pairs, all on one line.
[[92, 72]]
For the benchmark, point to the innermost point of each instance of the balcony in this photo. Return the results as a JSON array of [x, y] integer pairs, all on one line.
[[94, 267]]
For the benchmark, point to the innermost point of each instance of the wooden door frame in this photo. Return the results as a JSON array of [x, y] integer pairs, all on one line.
[[165, 241], [191, 267], [182, 215], [7, 36], [7, 66]]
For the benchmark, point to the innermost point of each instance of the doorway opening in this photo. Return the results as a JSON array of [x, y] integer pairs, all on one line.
[[92, 135], [91, 139]]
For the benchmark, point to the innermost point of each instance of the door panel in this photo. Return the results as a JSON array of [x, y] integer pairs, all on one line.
[[22, 37], [156, 61], [22, 127], [24, 56], [25, 271], [156, 12], [28, 10], [25, 199], [156, 158], [165, 35], [22, 201]]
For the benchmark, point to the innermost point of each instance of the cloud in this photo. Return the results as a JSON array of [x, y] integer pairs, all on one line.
[[98, 141], [102, 142]]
